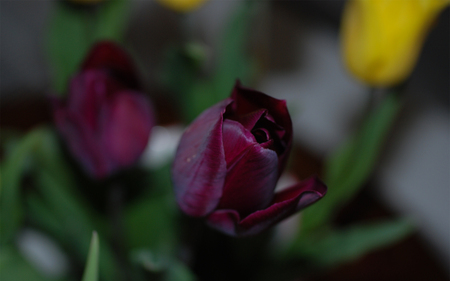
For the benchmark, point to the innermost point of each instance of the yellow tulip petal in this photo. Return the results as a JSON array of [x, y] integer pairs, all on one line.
[[382, 39]]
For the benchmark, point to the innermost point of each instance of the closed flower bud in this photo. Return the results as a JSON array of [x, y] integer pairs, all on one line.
[[229, 160], [382, 39], [106, 120]]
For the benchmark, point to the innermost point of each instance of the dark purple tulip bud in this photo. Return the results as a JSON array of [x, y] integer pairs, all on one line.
[[229, 160], [106, 120]]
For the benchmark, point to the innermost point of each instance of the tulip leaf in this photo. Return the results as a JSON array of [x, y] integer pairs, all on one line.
[[181, 68], [73, 30], [16, 163], [69, 40], [233, 60], [351, 243], [91, 269], [111, 20], [157, 262], [150, 224], [350, 166], [161, 181], [201, 97], [57, 187], [150, 260], [180, 74], [179, 272], [13, 267], [41, 215]]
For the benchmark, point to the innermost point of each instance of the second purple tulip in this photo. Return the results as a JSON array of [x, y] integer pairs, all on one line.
[[106, 120], [229, 161]]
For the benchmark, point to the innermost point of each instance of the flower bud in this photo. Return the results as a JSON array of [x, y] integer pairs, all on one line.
[[106, 120], [229, 160], [382, 39]]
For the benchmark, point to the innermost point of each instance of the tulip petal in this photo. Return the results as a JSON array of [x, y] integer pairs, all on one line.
[[81, 141], [107, 55], [236, 139], [199, 169], [88, 92], [285, 203], [127, 126], [248, 100], [251, 180], [250, 119]]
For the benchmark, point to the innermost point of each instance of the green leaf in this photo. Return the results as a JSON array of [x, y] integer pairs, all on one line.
[[157, 262], [180, 70], [40, 214], [180, 75], [111, 20], [161, 183], [91, 269], [179, 272], [13, 168], [57, 186], [150, 224], [74, 30], [150, 260], [182, 66], [201, 97], [69, 40], [13, 267], [350, 166], [351, 243], [233, 60]]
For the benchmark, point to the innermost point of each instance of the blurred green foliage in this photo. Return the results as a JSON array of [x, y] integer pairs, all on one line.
[[181, 73], [13, 267], [333, 247], [91, 269], [349, 167], [73, 30], [346, 172], [54, 205]]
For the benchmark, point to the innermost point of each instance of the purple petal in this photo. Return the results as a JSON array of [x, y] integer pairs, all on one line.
[[285, 203], [199, 169], [248, 100], [250, 181], [88, 92], [109, 56], [224, 221], [127, 127], [82, 141], [250, 119], [236, 139]]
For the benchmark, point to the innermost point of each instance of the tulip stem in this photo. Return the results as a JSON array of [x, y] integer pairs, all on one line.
[[116, 211]]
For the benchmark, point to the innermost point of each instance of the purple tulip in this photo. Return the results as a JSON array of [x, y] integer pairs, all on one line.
[[106, 120], [229, 160]]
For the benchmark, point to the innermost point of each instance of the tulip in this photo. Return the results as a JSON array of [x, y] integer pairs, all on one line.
[[106, 120], [229, 160], [182, 6], [382, 39]]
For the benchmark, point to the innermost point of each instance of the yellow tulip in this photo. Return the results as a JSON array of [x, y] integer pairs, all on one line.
[[382, 39], [183, 6]]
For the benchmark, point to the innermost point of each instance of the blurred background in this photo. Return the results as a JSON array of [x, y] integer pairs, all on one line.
[[297, 44]]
